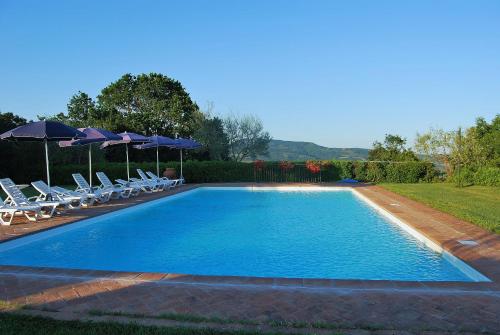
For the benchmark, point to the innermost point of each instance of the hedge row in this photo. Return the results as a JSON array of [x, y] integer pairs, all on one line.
[[227, 171], [193, 171], [393, 172], [486, 176]]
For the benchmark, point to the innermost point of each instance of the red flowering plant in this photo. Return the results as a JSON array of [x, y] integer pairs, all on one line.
[[258, 165], [313, 167], [285, 165]]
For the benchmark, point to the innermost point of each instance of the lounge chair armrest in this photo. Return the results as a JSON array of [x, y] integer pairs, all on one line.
[[35, 198]]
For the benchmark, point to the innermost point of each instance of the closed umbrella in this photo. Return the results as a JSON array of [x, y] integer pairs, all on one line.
[[156, 142], [127, 138], [43, 131], [94, 135]]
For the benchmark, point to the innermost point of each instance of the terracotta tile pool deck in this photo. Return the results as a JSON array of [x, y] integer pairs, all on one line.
[[401, 305]]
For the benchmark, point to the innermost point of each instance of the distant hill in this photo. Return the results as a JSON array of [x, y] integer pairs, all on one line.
[[301, 151]]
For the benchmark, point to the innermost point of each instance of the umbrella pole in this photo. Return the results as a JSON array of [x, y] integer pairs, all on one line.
[[128, 169], [181, 165], [47, 162], [90, 164], [157, 163]]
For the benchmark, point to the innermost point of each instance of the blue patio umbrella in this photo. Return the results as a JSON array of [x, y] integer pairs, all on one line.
[[43, 131], [94, 135], [185, 143], [127, 138], [156, 142]]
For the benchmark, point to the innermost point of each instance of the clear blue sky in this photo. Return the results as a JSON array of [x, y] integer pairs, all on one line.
[[338, 73]]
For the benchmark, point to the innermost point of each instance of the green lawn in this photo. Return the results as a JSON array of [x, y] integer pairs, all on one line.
[[16, 324], [477, 204]]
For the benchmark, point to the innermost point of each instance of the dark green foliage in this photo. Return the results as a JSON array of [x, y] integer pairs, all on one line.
[[376, 171], [488, 135], [230, 171], [360, 171], [345, 169], [394, 172], [9, 121], [478, 160], [12, 324], [210, 133], [147, 103], [393, 149], [24, 159], [485, 176], [409, 172]]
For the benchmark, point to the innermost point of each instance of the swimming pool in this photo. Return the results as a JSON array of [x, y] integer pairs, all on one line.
[[261, 232]]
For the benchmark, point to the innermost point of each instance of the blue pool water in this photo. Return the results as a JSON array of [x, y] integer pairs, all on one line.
[[240, 232]]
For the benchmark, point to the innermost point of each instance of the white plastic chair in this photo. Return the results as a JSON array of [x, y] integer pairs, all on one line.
[[8, 212], [119, 189], [84, 187], [17, 198], [47, 193]]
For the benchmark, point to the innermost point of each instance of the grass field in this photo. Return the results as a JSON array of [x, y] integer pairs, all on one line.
[[477, 204], [32, 325], [16, 324]]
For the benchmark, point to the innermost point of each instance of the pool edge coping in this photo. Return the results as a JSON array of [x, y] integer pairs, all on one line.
[[492, 285]]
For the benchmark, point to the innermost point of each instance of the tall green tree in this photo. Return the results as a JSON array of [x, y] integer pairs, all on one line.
[[82, 111], [148, 103], [477, 147], [488, 135], [21, 161], [437, 145], [393, 149], [246, 137], [210, 133], [9, 121]]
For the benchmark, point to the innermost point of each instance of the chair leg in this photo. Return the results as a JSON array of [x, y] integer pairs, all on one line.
[[31, 218], [4, 220]]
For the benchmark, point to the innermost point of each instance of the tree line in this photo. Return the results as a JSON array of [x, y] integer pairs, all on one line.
[[459, 153], [154, 104]]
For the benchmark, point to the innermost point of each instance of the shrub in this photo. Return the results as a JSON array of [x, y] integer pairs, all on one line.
[[360, 171], [345, 169], [376, 171], [228, 171], [487, 176], [394, 172], [408, 172]]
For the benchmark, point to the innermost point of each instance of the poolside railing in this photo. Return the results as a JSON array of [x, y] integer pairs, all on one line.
[[293, 173]]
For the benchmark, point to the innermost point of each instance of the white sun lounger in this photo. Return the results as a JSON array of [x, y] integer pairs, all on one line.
[[121, 190], [136, 184], [155, 184], [167, 181], [88, 199], [164, 180], [47, 193], [84, 187], [17, 198], [8, 212]]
